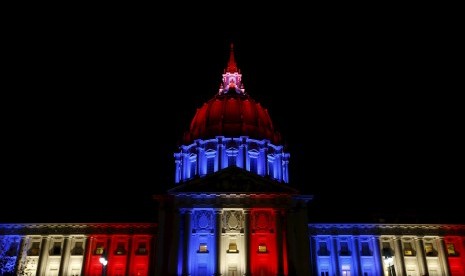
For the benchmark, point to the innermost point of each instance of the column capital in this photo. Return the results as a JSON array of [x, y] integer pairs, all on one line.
[[185, 210]]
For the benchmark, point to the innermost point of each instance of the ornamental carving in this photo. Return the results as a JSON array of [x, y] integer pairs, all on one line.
[[203, 220], [262, 221], [233, 221]]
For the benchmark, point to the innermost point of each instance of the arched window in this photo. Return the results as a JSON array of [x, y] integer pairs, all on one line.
[[192, 165], [231, 153], [253, 161], [210, 155], [271, 164]]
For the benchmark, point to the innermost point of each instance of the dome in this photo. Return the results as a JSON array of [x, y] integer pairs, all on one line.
[[232, 115]]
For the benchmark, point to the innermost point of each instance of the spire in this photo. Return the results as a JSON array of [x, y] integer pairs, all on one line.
[[232, 67], [232, 78]]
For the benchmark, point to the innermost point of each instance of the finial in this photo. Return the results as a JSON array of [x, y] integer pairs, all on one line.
[[232, 66]]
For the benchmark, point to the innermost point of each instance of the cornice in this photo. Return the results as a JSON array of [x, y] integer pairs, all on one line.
[[77, 228], [387, 229]]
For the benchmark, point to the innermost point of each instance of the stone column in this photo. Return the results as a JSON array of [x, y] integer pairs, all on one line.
[[187, 235], [247, 241], [379, 263], [219, 152], [218, 242], [421, 256], [279, 242], [442, 255], [22, 254], [399, 254], [43, 257], [129, 254], [87, 255], [356, 256], [335, 257], [64, 262], [243, 146]]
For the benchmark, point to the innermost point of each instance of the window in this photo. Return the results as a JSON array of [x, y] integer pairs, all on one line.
[[271, 166], [323, 250], [232, 247], [78, 249], [386, 250], [253, 164], [232, 156], [99, 249], [366, 249], [141, 249], [262, 248], [202, 248], [231, 160], [120, 250], [429, 250], [344, 249], [12, 250], [56, 249], [408, 251], [451, 249], [210, 164], [345, 270], [192, 165], [34, 250]]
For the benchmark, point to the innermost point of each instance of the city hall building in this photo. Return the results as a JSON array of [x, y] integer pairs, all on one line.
[[232, 212]]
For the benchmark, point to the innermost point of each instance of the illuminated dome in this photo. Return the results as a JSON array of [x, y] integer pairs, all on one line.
[[232, 113]]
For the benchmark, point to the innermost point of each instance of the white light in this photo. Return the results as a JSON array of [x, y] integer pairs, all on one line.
[[103, 261]]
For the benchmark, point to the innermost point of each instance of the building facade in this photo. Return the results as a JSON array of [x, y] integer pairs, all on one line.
[[232, 212]]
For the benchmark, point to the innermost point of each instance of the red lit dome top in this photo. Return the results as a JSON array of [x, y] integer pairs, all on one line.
[[232, 113]]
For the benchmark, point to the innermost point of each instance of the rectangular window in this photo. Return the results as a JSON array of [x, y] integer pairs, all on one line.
[[323, 250], [451, 249], [120, 250], [253, 164], [345, 270], [34, 250], [232, 248], [210, 164], [141, 249], [56, 249], [366, 249], [344, 249], [78, 249], [231, 160], [386, 251], [262, 248], [408, 251], [203, 248], [429, 250], [99, 249]]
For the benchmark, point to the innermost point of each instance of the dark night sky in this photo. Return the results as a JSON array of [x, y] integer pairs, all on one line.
[[96, 111]]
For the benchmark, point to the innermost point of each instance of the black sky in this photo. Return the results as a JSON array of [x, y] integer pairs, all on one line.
[[96, 110]]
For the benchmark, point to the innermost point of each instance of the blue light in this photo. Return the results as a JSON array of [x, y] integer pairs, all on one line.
[[202, 243], [9, 246], [205, 157]]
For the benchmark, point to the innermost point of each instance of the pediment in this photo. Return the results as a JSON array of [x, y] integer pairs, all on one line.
[[232, 180]]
